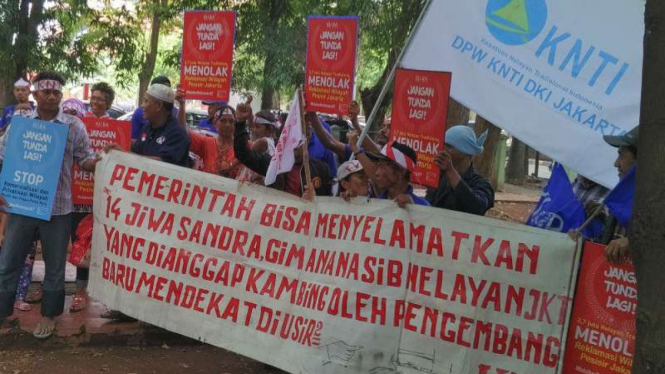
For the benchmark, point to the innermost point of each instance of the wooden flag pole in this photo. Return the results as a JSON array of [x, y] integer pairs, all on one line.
[[305, 151]]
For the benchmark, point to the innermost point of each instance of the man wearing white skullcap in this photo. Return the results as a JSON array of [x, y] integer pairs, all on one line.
[[163, 138], [23, 106], [461, 188]]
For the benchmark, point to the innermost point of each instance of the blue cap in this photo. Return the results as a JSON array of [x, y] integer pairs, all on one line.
[[214, 102], [463, 138]]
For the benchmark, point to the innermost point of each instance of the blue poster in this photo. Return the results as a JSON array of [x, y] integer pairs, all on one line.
[[31, 169]]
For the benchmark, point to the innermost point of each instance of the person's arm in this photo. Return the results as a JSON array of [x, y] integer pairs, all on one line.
[[326, 138], [366, 162], [476, 199], [255, 161], [182, 106]]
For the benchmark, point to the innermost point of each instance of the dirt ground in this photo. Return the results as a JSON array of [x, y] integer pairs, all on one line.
[[513, 212], [130, 360]]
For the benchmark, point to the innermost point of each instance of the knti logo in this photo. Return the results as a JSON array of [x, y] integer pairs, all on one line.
[[515, 22]]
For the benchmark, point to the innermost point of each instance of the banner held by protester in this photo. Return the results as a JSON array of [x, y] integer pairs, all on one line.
[[290, 138], [330, 73], [327, 287], [602, 327], [572, 77], [31, 167], [420, 107], [101, 131], [207, 54]]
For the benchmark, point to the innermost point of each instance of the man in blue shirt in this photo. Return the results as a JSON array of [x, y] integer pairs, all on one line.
[[213, 106], [163, 138], [23, 106], [138, 120]]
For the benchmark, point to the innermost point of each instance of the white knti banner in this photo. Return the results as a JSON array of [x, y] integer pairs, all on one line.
[[328, 287], [557, 74]]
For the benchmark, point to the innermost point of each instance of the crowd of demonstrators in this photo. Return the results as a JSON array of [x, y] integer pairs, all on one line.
[[461, 188], [20, 230], [292, 182], [619, 246]]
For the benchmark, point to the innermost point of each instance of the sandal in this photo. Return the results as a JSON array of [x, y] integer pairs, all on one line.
[[22, 306], [44, 329], [79, 303]]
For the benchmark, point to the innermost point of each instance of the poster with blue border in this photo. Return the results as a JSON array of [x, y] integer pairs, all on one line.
[[31, 168]]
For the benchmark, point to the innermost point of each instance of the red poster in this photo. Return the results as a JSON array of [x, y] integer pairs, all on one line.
[[332, 43], [207, 55], [101, 131], [420, 107], [601, 337]]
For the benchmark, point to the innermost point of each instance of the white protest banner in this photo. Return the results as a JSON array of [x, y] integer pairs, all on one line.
[[557, 74], [327, 287], [291, 136]]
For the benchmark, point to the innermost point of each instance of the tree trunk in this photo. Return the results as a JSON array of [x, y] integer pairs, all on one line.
[[275, 12], [515, 173], [458, 114], [485, 164], [151, 58], [647, 228]]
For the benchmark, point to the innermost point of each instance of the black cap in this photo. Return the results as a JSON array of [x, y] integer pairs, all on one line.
[[628, 139]]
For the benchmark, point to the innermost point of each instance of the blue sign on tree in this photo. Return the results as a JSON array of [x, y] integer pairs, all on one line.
[[31, 168]]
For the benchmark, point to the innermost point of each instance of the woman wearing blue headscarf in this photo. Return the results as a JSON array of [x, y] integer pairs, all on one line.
[[461, 188]]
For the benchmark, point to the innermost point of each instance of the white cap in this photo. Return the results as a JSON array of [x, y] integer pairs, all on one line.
[[161, 92], [348, 168], [21, 83]]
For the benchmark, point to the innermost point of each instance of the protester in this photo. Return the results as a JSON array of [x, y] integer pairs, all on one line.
[[163, 138], [263, 129], [352, 180], [217, 152], [101, 99], [461, 188], [77, 108], [390, 171], [21, 229], [618, 248], [342, 150], [208, 124], [23, 106], [291, 182], [138, 119]]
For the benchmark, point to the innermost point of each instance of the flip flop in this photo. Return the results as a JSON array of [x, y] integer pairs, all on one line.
[[47, 326]]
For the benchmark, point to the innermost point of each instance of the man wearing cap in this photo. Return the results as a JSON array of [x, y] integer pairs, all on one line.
[[20, 229], [208, 123], [162, 138], [352, 179], [461, 188], [390, 171], [626, 145], [139, 121], [23, 107]]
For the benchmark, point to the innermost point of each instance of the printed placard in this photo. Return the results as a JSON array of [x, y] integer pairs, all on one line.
[[31, 167], [601, 338], [332, 44], [101, 131], [207, 54], [420, 108], [328, 286]]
